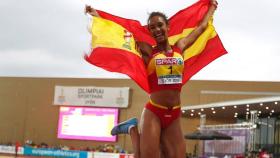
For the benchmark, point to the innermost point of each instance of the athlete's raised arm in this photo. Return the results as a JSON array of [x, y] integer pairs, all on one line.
[[186, 42]]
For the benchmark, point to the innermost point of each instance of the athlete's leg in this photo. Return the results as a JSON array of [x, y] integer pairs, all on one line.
[[150, 131], [172, 139], [135, 140], [129, 127]]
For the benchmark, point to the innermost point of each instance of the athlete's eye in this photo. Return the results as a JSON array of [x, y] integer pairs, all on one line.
[[160, 24], [152, 27]]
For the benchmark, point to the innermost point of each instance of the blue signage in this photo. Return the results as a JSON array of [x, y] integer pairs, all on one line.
[[54, 153]]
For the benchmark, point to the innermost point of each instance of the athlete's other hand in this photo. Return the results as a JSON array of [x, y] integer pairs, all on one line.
[[214, 3], [91, 11]]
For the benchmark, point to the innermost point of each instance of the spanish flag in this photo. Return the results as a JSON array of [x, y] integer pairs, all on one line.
[[113, 48], [207, 47], [113, 43]]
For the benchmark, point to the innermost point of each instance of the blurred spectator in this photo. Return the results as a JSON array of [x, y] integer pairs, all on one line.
[[44, 145], [17, 145], [263, 153]]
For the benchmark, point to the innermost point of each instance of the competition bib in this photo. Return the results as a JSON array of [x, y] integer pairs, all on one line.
[[169, 70]]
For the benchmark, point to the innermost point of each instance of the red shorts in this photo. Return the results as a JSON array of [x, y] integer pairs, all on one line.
[[166, 115]]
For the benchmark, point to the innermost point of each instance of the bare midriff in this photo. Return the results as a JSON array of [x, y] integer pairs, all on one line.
[[167, 98]]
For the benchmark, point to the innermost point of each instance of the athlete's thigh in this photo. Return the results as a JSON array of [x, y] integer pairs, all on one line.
[[150, 130], [172, 140]]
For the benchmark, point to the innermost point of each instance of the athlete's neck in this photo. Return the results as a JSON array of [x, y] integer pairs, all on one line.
[[166, 48]]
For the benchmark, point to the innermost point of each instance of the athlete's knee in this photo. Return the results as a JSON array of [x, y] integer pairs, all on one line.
[[177, 151], [149, 151]]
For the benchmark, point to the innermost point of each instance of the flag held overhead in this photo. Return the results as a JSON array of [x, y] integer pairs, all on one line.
[[114, 43]]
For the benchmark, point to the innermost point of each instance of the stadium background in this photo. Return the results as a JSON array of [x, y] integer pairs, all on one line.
[[27, 111]]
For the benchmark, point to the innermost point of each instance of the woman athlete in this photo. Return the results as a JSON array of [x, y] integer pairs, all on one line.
[[160, 129]]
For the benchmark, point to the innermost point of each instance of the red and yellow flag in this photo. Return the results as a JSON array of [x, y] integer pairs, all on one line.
[[113, 43], [206, 48], [114, 50]]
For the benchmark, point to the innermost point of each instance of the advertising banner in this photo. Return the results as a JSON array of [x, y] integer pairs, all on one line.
[[92, 96], [10, 149], [54, 153], [105, 155]]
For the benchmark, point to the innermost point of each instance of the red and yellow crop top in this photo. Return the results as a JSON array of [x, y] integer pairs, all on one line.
[[165, 71]]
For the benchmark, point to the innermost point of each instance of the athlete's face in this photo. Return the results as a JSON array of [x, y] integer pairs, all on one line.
[[158, 28]]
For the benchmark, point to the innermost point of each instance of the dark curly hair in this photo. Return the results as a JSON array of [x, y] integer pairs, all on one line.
[[160, 14]]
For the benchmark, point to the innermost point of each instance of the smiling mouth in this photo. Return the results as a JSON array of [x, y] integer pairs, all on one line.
[[159, 36]]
